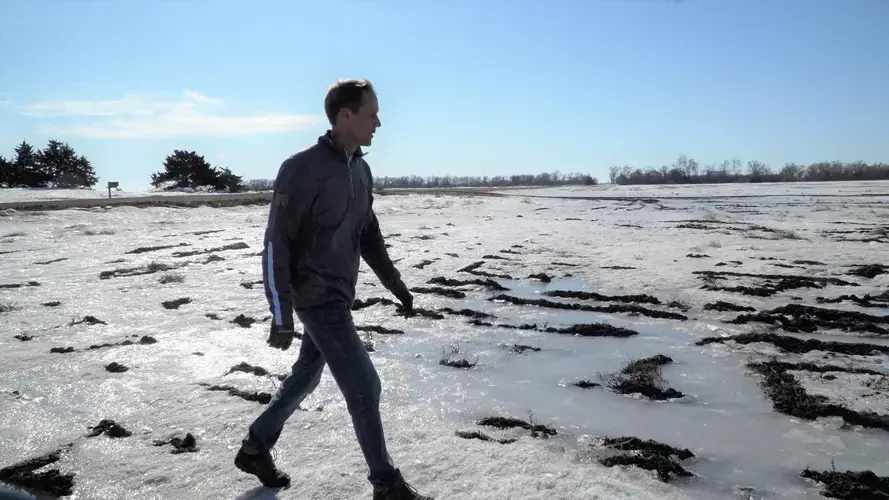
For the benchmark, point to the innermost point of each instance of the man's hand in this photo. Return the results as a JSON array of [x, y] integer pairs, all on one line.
[[403, 295], [280, 337]]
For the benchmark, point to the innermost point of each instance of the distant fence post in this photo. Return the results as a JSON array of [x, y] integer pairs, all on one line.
[[111, 184]]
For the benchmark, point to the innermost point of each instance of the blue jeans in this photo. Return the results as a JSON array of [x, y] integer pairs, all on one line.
[[330, 337]]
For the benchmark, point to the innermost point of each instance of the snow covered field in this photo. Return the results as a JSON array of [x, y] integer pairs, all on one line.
[[12, 195], [647, 262]]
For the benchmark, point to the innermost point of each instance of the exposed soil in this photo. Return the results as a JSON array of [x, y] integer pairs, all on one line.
[[244, 321], [437, 290], [522, 349], [458, 363], [187, 444], [89, 320], [790, 398], [154, 248], [800, 346], [23, 338], [632, 309], [881, 300], [175, 303], [144, 340], [469, 313], [213, 316], [766, 284], [643, 377], [418, 311], [234, 246], [542, 277], [109, 428], [423, 264], [483, 437], [259, 397], [61, 350], [537, 430], [631, 299], [586, 384], [259, 371], [382, 330], [618, 268], [801, 318], [473, 269], [53, 261], [726, 307], [495, 257], [812, 367], [869, 271], [648, 455], [18, 285], [250, 284], [487, 283], [851, 485], [359, 304], [698, 256], [154, 267], [52, 303], [594, 330], [115, 367], [49, 482]]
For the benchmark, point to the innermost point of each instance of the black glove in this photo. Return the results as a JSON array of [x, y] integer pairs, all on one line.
[[280, 337], [399, 289]]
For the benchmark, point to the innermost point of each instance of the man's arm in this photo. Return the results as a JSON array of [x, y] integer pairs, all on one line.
[[291, 196]]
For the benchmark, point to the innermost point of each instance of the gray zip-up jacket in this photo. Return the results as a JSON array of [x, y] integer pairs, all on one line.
[[321, 222]]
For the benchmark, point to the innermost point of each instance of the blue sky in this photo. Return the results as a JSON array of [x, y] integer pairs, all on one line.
[[465, 86]]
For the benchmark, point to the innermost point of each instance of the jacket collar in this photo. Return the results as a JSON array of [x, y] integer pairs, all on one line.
[[330, 141]]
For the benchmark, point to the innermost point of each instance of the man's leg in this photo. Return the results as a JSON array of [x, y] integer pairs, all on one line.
[[303, 379], [334, 334]]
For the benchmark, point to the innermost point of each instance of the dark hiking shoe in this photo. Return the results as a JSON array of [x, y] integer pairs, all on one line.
[[262, 466], [398, 490]]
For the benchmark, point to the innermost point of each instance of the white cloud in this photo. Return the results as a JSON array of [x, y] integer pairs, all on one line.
[[136, 116]]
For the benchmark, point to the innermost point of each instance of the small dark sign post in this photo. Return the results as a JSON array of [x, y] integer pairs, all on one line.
[[111, 185]]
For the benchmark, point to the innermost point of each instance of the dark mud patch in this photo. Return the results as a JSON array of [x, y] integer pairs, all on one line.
[[698, 256], [522, 349], [53, 261], [115, 367], [6, 308], [812, 367], [586, 384], [250, 284], [537, 430], [643, 377], [629, 299], [144, 340], [803, 262], [482, 437], [382, 330], [87, 320], [723, 306], [244, 367], [790, 398], [212, 316], [649, 455], [423, 264], [619, 268], [151, 268], [23, 338], [154, 248], [850, 485], [186, 444], [61, 350], [486, 283], [495, 257], [611, 309], [765, 285], [799, 346], [359, 304], [10, 286], [869, 271], [437, 290], [542, 277], [244, 321], [257, 397], [52, 303], [418, 311], [234, 246], [469, 313], [109, 428], [52, 482], [881, 300], [474, 269], [801, 318], [458, 363], [594, 330], [176, 303]]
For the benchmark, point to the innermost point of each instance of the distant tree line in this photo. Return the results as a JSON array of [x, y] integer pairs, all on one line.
[[688, 171], [187, 169], [56, 165], [450, 181]]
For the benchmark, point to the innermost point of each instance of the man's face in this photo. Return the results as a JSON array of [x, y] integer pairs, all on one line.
[[364, 123]]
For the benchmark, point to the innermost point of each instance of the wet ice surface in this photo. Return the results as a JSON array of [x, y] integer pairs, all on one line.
[[725, 417]]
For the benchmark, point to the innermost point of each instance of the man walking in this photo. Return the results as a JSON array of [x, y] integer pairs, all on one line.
[[321, 223]]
